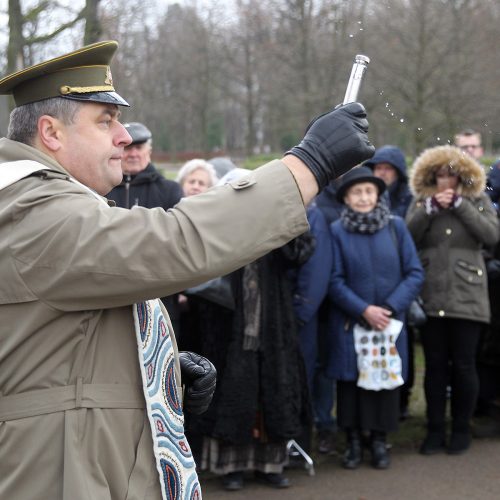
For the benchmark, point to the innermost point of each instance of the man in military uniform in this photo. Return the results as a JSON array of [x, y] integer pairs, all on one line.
[[73, 423]]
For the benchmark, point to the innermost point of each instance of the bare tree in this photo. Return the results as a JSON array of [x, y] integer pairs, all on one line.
[[426, 69], [28, 29], [93, 28], [245, 75]]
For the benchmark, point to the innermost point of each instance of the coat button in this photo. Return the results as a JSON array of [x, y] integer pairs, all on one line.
[[481, 208], [479, 272], [441, 313], [448, 231]]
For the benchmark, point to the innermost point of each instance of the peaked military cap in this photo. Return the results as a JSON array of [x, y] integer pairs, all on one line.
[[139, 132], [82, 75]]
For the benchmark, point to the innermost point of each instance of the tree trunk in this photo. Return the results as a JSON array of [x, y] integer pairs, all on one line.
[[93, 28]]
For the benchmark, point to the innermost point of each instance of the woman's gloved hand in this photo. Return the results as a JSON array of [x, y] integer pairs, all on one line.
[[200, 377]]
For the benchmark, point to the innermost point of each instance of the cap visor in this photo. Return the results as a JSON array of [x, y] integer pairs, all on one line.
[[104, 97]]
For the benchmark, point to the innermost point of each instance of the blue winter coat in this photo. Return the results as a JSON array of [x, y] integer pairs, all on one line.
[[311, 287], [369, 270]]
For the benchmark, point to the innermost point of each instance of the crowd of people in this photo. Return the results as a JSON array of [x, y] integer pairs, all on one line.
[[314, 337], [292, 285]]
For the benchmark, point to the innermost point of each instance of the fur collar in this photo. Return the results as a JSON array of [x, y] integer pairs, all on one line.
[[422, 180]]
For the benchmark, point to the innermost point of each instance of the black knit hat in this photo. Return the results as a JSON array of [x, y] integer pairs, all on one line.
[[355, 176]]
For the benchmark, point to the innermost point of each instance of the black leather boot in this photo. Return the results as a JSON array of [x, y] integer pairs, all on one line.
[[354, 452], [460, 439], [233, 481], [433, 443], [380, 455]]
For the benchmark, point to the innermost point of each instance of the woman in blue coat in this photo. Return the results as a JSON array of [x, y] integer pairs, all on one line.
[[310, 288], [376, 274]]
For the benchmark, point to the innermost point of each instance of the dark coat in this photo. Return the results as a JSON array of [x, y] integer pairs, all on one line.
[[369, 270], [311, 287], [450, 241], [147, 189], [398, 195], [490, 345], [493, 183], [327, 202], [270, 381]]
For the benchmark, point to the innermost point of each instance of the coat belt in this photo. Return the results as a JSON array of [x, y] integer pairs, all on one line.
[[70, 397]]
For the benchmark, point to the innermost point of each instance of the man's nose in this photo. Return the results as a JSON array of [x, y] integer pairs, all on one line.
[[122, 137]]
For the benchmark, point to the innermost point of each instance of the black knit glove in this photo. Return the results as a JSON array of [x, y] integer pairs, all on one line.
[[200, 377], [335, 142]]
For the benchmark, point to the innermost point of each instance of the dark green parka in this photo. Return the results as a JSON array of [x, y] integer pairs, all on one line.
[[450, 240]]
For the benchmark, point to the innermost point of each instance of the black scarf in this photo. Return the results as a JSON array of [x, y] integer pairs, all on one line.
[[366, 223]]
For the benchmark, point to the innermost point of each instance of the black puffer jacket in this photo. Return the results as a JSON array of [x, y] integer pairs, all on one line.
[[147, 189]]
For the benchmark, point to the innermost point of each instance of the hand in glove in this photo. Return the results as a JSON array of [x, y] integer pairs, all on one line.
[[335, 142], [200, 377]]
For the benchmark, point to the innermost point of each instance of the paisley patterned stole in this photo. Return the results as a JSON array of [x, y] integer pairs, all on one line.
[[174, 460]]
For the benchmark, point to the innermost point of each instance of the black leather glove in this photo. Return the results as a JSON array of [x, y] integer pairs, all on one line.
[[335, 142], [200, 377]]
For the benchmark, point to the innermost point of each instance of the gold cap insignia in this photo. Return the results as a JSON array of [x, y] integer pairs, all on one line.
[[109, 77]]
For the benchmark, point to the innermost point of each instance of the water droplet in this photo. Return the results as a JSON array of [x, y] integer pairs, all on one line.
[[402, 120], [381, 92], [386, 104], [392, 114], [351, 36], [438, 138], [360, 22], [419, 129], [360, 29]]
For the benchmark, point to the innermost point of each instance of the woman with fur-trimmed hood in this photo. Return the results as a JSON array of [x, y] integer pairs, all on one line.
[[451, 219]]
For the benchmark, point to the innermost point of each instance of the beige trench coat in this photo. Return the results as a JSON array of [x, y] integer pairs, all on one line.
[[72, 418]]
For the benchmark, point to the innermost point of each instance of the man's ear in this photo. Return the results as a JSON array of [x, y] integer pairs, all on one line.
[[49, 132]]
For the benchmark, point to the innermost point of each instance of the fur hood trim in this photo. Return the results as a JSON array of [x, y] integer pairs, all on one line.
[[422, 178]]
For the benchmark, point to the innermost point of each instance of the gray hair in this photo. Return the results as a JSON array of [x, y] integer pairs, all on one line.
[[193, 165], [23, 125]]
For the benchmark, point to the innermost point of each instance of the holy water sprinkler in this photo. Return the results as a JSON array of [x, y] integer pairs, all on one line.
[[358, 70]]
